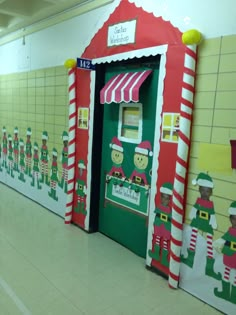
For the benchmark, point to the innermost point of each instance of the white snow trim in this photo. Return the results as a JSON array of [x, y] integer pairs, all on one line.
[[205, 183], [138, 53], [116, 147], [165, 190], [232, 211], [143, 151]]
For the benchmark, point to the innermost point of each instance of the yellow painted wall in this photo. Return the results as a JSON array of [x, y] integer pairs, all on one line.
[[214, 123], [36, 99]]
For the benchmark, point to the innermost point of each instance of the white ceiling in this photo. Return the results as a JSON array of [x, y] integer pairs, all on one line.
[[18, 14]]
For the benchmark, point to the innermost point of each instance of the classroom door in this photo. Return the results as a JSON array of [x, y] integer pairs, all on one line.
[[127, 149]]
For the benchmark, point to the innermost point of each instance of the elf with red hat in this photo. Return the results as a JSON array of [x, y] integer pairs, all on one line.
[[142, 152], [117, 157]]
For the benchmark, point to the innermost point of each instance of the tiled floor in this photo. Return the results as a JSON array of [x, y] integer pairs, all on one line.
[[47, 267]]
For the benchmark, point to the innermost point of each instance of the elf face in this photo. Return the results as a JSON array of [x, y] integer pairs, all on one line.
[[205, 192], [117, 156], [140, 161], [233, 220], [165, 199]]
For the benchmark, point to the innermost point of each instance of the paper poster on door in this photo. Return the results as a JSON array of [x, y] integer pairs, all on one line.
[[130, 191]]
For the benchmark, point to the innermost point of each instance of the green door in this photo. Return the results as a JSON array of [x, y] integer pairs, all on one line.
[[128, 133]]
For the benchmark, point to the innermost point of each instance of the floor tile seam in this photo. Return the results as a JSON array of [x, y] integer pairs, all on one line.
[[43, 275]]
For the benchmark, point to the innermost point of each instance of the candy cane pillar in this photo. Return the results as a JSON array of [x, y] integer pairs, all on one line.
[[71, 65], [181, 163]]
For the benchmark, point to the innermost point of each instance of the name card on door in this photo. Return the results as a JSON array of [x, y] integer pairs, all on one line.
[[121, 33]]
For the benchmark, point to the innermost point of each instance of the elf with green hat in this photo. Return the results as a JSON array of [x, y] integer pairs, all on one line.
[[81, 190], [16, 149], [35, 171], [10, 156], [28, 152], [44, 158], [0, 158], [4, 147], [64, 161], [227, 244], [162, 227], [22, 160], [202, 217], [54, 175]]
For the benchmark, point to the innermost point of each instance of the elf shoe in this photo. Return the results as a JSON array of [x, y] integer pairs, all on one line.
[[38, 184], [210, 269], [233, 294], [225, 293], [164, 258], [156, 253], [189, 259], [42, 178]]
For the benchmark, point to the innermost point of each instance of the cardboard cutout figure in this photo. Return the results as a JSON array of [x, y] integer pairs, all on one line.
[[4, 147], [227, 245], [44, 159], [0, 158], [138, 176], [81, 190], [162, 227], [28, 152], [10, 156], [16, 149], [117, 157], [36, 171], [203, 219], [64, 161], [53, 176], [22, 160]]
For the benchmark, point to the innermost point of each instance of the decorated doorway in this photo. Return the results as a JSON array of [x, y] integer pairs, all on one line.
[[129, 98]]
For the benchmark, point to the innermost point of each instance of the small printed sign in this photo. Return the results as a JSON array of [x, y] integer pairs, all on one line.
[[126, 194], [121, 33], [86, 64]]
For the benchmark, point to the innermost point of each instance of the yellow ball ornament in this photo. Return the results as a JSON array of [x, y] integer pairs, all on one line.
[[70, 63], [191, 37]]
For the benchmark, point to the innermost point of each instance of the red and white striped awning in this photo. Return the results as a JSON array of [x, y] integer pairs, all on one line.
[[123, 87]]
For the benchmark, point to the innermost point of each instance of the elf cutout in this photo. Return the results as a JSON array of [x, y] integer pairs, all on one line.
[[35, 172], [16, 149], [4, 147], [22, 160], [44, 158], [227, 245], [64, 161], [142, 152], [28, 152], [81, 190], [10, 156], [53, 176], [117, 157], [202, 217], [162, 227], [0, 158]]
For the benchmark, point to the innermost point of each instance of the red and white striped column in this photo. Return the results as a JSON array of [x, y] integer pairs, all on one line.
[[181, 163], [71, 65]]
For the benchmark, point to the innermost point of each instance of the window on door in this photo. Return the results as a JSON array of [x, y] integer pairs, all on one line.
[[130, 122]]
